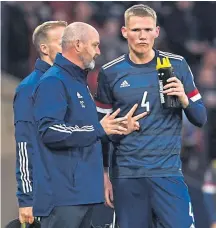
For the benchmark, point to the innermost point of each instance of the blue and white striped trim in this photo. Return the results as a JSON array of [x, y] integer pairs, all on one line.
[[104, 111], [24, 170], [70, 129], [170, 55], [103, 108], [113, 62]]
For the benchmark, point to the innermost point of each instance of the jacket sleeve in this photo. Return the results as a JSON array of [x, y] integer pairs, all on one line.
[[24, 148], [50, 108], [195, 111]]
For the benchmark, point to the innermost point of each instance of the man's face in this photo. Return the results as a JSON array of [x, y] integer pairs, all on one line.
[[140, 33], [90, 50], [54, 41]]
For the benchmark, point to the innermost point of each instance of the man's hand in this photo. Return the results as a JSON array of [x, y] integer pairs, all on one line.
[[213, 225], [112, 125], [108, 190], [133, 124], [176, 88], [26, 215]]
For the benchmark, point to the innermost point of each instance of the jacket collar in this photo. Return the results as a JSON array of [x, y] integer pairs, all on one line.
[[42, 65], [70, 67]]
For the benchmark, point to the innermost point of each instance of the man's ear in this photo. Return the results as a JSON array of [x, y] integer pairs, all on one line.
[[78, 45], [44, 49], [124, 32], [157, 32]]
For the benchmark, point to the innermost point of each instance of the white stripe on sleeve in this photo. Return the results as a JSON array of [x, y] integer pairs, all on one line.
[[60, 130], [24, 167], [24, 170], [21, 168], [71, 129], [27, 165]]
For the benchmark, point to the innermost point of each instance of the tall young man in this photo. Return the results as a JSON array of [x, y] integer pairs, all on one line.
[[146, 166]]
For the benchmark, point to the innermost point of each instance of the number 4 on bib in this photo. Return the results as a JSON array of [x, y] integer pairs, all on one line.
[[144, 103]]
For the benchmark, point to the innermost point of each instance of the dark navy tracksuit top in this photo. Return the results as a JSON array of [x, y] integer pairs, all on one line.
[[24, 134], [69, 161]]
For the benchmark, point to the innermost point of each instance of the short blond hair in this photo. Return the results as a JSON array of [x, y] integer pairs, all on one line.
[[140, 10], [40, 33]]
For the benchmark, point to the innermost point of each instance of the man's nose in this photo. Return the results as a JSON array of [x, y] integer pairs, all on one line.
[[98, 52], [142, 35]]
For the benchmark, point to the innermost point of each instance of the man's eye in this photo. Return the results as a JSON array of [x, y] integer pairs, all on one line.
[[135, 30]]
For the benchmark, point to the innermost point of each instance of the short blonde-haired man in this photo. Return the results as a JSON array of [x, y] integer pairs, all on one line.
[[146, 170], [47, 41]]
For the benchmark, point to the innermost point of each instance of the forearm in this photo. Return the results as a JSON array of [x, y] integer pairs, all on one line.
[[184, 101], [196, 113], [25, 200], [24, 179], [58, 134], [24, 171]]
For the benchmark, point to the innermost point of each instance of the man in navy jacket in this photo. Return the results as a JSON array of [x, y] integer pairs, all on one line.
[[69, 174], [46, 39]]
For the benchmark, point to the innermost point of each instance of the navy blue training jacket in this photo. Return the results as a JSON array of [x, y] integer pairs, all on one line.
[[24, 133], [69, 160], [155, 149]]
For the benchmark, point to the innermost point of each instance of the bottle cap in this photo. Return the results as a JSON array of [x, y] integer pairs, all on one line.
[[165, 63]]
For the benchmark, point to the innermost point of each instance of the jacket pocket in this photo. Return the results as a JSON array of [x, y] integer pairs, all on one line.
[[74, 161], [74, 174]]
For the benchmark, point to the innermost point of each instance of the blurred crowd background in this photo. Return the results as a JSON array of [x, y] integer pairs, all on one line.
[[187, 29]]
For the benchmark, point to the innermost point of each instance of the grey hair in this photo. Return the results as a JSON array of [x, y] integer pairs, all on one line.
[[75, 31]]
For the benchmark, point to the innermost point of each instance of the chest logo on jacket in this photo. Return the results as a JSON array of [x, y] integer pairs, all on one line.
[[80, 97]]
